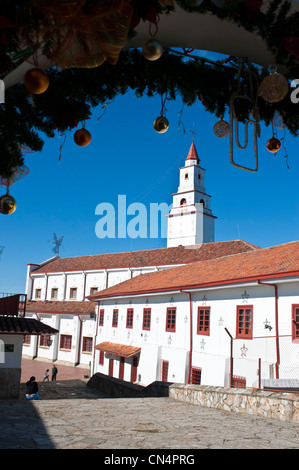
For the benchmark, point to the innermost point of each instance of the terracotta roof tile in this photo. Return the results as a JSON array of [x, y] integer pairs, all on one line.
[[154, 257], [116, 349], [275, 261], [22, 325], [57, 306]]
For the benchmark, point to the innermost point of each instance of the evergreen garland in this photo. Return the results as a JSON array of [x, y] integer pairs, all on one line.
[[73, 91]]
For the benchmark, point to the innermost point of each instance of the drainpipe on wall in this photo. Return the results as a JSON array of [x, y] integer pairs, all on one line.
[[231, 372], [191, 336], [46, 288], [79, 342], [276, 325], [97, 309], [36, 344]]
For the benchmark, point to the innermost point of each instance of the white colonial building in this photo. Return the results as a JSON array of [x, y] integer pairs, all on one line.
[[229, 320], [174, 313]]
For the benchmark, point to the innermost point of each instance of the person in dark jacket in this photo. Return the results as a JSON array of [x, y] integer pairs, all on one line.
[[54, 372], [32, 389]]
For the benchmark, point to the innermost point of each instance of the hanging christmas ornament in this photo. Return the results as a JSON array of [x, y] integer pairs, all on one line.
[[82, 137], [7, 204], [161, 124], [274, 87], [36, 81], [152, 49], [273, 145], [222, 128]]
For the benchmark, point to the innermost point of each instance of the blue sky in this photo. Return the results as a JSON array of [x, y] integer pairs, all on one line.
[[127, 157]]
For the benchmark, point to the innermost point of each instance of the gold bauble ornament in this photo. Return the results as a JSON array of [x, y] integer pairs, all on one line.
[[152, 49], [161, 124], [274, 88], [82, 137], [36, 81], [221, 128], [7, 204], [273, 145]]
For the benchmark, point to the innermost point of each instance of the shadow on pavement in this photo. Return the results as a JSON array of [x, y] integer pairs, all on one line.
[[21, 426]]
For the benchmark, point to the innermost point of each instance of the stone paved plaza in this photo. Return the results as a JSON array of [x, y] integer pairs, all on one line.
[[70, 415]]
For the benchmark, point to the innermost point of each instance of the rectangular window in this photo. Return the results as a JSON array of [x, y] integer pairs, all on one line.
[[244, 322], [101, 318], [44, 340], [101, 358], [170, 319], [73, 292], [87, 344], [195, 375], [295, 323], [238, 382], [115, 318], [93, 290], [38, 293], [54, 293], [146, 319], [164, 372], [203, 320], [66, 342], [130, 314]]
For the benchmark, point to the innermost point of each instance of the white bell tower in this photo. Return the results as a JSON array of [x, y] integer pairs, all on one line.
[[190, 221]]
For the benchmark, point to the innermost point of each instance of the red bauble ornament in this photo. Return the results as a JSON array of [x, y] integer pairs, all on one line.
[[273, 145], [82, 137], [36, 81]]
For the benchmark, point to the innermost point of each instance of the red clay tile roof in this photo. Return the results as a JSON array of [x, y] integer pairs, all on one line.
[[154, 257], [281, 260], [118, 349], [56, 306], [22, 325]]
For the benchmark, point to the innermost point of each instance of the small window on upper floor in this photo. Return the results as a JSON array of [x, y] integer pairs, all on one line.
[[202, 202], [186, 176], [73, 292], [93, 290], [183, 202], [38, 293], [54, 293]]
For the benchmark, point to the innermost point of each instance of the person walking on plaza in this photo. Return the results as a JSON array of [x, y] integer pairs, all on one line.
[[32, 389], [54, 372], [46, 375]]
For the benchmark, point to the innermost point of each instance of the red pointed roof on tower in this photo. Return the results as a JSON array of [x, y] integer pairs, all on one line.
[[192, 155]]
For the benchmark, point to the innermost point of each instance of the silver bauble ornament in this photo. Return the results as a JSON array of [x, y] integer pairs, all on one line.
[[152, 49], [274, 87], [161, 124], [222, 128]]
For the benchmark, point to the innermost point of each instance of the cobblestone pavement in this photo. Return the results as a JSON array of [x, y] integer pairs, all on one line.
[[70, 415]]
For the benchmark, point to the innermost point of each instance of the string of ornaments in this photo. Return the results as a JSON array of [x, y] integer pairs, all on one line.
[[273, 89], [36, 81]]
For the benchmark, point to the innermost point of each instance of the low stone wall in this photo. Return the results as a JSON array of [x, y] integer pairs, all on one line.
[[117, 388], [268, 404]]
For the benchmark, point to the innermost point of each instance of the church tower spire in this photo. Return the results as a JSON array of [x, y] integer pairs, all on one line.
[[190, 221]]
